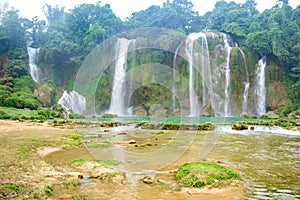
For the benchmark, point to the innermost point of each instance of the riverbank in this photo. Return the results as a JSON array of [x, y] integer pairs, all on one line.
[[51, 160], [33, 167]]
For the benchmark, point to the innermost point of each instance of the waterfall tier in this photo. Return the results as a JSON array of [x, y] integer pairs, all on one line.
[[117, 105], [260, 88], [194, 105], [227, 109], [211, 67], [33, 67], [73, 101]]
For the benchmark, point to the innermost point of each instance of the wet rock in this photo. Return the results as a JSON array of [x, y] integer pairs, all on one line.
[[252, 128], [140, 111], [73, 175], [148, 180], [131, 142], [239, 127], [106, 131]]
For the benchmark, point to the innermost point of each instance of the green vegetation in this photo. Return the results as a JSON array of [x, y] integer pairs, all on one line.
[[76, 163], [104, 163], [71, 182], [73, 140], [282, 122], [175, 126], [48, 189], [76, 116], [14, 187], [159, 133], [199, 174], [27, 114], [66, 38], [79, 198], [108, 115]]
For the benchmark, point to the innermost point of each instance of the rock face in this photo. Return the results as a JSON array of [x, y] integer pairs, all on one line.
[[157, 110], [140, 111], [277, 91], [47, 95]]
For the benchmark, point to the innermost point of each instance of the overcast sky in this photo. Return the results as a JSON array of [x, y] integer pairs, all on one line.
[[123, 8]]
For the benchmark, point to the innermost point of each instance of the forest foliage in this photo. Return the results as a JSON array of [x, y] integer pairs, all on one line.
[[68, 36]]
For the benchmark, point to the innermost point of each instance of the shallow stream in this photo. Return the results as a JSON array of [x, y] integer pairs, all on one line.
[[268, 160]]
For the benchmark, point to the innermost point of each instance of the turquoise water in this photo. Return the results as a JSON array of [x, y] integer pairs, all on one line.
[[176, 120]]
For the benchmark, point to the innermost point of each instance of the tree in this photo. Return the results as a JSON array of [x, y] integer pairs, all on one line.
[[53, 14], [177, 15], [14, 31]]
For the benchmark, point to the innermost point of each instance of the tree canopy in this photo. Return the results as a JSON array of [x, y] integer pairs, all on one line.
[[73, 34]]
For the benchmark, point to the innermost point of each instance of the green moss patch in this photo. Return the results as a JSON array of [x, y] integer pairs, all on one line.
[[199, 174], [104, 163]]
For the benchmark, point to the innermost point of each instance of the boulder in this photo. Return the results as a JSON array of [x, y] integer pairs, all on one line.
[[239, 127]]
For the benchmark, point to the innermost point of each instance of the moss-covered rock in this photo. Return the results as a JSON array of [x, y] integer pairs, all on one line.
[[239, 126], [199, 174]]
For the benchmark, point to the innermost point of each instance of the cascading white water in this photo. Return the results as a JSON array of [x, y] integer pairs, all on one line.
[[246, 85], [33, 68], [260, 88], [227, 110], [73, 101], [245, 97], [208, 95], [174, 78], [117, 105], [194, 105], [131, 78]]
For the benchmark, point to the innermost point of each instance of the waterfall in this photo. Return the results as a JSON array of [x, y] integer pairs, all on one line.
[[174, 78], [73, 101], [245, 97], [246, 85], [208, 95], [227, 110], [194, 106], [117, 105], [33, 68], [131, 78], [260, 88]]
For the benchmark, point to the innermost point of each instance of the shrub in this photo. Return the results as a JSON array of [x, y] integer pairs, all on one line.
[[76, 116], [4, 93], [22, 100], [46, 113], [3, 115], [24, 84], [107, 115]]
